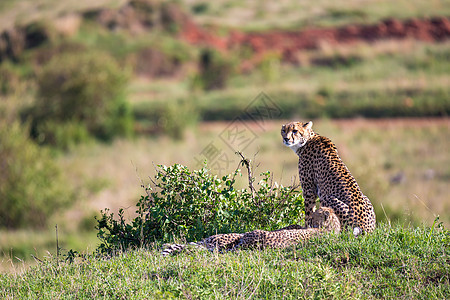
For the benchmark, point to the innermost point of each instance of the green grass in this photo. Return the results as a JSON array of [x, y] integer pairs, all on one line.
[[18, 247], [392, 263]]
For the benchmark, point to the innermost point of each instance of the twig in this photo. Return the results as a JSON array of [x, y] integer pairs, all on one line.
[[426, 206], [139, 178], [292, 189], [387, 218], [246, 162], [235, 171], [57, 245], [36, 258], [156, 169]]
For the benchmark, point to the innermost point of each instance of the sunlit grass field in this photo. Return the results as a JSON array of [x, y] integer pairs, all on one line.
[[391, 263]]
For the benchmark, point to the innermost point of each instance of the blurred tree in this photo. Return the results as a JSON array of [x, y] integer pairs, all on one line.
[[31, 185], [215, 69], [80, 94]]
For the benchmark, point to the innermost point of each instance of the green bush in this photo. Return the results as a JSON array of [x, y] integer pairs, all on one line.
[[193, 205], [86, 88], [31, 185], [65, 135], [200, 8]]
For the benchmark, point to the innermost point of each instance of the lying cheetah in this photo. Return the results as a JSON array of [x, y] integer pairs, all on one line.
[[322, 220], [323, 175]]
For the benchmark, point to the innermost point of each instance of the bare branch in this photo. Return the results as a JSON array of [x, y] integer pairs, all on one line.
[[247, 163]]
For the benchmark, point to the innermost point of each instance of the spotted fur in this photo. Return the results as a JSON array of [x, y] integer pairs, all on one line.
[[324, 175], [221, 242], [323, 220]]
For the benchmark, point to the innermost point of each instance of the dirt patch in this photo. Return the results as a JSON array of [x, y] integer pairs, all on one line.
[[287, 43]]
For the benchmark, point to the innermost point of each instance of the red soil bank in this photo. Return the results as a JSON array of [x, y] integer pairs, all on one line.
[[288, 42]]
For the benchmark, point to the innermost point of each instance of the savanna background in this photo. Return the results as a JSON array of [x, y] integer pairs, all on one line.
[[94, 94]]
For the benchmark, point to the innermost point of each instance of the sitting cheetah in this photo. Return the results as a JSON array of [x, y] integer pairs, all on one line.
[[322, 220], [323, 174]]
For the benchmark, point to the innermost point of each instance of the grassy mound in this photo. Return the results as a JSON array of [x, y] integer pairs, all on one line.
[[393, 262]]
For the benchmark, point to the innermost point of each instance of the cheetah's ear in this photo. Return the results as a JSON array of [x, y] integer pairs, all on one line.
[[308, 125]]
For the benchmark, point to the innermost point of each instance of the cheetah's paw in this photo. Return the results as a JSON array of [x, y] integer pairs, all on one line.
[[357, 231]]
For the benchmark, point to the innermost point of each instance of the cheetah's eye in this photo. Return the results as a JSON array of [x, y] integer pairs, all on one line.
[[294, 131]]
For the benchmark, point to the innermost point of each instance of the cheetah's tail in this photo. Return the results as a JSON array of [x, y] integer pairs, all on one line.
[[172, 249]]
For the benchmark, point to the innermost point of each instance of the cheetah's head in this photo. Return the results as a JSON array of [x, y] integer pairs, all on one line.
[[326, 219], [296, 134]]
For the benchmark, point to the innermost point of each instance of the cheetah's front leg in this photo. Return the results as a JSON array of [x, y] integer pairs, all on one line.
[[310, 196], [344, 212]]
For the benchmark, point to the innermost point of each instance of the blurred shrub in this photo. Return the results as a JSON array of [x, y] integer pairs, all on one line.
[[200, 8], [195, 204], [154, 63], [64, 135], [338, 13], [171, 117], [177, 117], [38, 33], [16, 40], [215, 70], [44, 54], [79, 93], [172, 18], [9, 79], [270, 66], [31, 185]]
